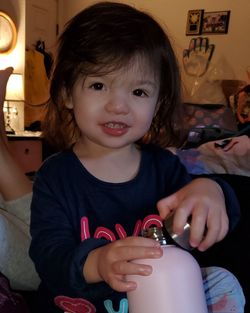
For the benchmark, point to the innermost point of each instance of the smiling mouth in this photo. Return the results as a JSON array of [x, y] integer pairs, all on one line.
[[115, 129]]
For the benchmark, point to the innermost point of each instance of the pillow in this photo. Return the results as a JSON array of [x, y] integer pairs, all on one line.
[[210, 115], [208, 122], [15, 262]]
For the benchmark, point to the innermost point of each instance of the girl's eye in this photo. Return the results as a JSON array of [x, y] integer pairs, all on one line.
[[139, 93], [97, 86]]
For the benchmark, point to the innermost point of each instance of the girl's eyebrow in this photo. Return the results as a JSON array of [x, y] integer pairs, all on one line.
[[146, 82]]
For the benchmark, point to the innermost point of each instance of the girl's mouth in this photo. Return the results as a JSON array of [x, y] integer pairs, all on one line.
[[115, 128]]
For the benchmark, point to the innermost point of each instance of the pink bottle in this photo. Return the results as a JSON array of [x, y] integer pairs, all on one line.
[[175, 285]]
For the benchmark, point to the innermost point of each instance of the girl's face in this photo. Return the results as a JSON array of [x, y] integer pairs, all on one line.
[[115, 110]]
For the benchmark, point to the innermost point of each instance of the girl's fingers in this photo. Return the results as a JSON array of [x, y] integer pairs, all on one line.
[[215, 231], [122, 285], [131, 268], [167, 205], [198, 226], [210, 238], [224, 227], [127, 253], [181, 216]]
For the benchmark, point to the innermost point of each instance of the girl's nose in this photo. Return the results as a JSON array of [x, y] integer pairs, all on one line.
[[117, 104]]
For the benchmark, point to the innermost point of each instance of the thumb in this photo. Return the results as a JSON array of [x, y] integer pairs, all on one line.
[[167, 205]]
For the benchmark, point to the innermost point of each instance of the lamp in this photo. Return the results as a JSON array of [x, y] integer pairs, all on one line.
[[14, 93]]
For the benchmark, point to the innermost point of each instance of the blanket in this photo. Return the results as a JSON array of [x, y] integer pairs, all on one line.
[[226, 156]]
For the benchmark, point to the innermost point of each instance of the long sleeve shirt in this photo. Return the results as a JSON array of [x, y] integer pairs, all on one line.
[[73, 212]]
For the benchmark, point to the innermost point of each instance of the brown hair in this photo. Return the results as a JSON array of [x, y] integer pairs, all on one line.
[[102, 38]]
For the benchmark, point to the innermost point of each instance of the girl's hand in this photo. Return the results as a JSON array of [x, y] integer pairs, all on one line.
[[203, 200], [111, 263]]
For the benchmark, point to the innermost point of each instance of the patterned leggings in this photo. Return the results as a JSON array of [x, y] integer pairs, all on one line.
[[223, 291]]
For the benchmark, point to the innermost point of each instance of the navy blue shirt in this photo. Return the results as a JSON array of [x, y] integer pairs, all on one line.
[[73, 212]]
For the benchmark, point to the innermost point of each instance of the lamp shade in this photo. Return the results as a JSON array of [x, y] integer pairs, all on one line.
[[14, 89]]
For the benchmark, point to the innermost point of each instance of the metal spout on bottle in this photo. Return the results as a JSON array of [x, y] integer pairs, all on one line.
[[156, 233]]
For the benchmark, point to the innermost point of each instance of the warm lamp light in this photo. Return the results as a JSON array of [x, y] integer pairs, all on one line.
[[14, 89], [14, 93]]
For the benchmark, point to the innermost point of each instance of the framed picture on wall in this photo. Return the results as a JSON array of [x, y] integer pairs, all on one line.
[[215, 22], [194, 22]]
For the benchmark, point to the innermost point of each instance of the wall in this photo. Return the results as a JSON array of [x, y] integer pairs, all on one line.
[[232, 49], [16, 10]]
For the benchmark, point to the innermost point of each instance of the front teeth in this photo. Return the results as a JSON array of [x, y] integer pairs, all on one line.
[[114, 125]]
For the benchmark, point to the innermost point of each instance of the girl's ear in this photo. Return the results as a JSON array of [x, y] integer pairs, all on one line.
[[69, 103], [67, 99]]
